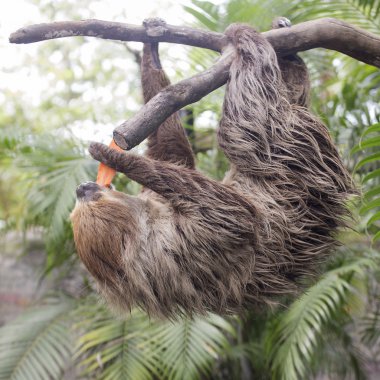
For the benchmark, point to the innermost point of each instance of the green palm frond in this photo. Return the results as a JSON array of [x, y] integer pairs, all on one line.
[[9, 139], [206, 13], [37, 344], [370, 326], [341, 356], [189, 348], [257, 13], [55, 169], [112, 348], [363, 13], [370, 166], [299, 331], [140, 348]]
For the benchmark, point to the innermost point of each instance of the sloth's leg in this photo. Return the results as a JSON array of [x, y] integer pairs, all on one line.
[[254, 106], [294, 71], [169, 141]]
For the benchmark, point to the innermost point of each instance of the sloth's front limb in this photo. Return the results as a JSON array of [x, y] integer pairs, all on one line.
[[203, 200], [162, 177], [165, 178]]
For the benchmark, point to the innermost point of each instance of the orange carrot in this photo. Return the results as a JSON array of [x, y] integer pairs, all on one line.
[[105, 173]]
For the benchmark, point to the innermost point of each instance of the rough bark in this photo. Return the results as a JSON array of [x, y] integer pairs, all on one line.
[[326, 33], [171, 99], [119, 31]]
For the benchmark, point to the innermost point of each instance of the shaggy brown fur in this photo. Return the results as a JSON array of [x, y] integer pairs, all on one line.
[[294, 72], [200, 245]]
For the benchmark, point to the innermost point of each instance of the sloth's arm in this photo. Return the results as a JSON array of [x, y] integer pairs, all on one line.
[[169, 141], [164, 178], [188, 191]]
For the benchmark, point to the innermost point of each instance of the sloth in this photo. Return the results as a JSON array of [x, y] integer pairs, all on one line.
[[191, 245]]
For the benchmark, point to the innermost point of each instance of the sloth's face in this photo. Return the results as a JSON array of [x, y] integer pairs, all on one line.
[[89, 191], [103, 202], [107, 225]]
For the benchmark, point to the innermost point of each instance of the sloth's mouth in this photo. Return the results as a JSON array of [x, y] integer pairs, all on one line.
[[88, 191]]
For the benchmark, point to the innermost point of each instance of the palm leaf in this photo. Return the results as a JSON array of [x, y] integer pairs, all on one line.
[[368, 160], [372, 142], [376, 236], [257, 13], [371, 327], [341, 356], [298, 333], [111, 348], [207, 13], [140, 348], [371, 179], [55, 170], [37, 344], [363, 13], [189, 348]]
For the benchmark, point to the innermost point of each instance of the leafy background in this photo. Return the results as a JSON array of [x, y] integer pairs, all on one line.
[[331, 331]]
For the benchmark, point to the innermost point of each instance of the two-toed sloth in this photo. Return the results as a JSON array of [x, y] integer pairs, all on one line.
[[189, 244]]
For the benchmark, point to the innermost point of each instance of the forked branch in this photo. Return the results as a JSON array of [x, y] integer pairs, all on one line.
[[171, 99], [326, 33]]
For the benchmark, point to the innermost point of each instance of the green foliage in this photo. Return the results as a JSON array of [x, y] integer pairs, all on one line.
[[363, 13], [56, 168], [294, 340], [37, 344], [286, 344], [140, 348], [188, 348], [115, 349], [218, 17], [320, 332], [369, 166]]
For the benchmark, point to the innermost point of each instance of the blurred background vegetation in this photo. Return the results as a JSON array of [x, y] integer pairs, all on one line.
[[85, 87]]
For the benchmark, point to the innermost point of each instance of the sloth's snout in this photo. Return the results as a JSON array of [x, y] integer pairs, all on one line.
[[88, 191]]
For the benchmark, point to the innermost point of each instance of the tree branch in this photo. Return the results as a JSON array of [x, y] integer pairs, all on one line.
[[327, 33], [119, 31], [171, 99]]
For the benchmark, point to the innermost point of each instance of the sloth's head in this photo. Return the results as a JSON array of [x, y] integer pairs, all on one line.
[[106, 225], [97, 206]]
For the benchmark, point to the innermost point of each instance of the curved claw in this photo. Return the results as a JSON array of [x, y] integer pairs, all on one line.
[[98, 151], [155, 26], [281, 22]]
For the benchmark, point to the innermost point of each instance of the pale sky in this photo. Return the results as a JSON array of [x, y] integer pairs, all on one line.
[[18, 13]]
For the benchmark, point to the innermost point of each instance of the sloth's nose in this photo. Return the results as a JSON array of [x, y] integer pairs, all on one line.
[[87, 190]]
